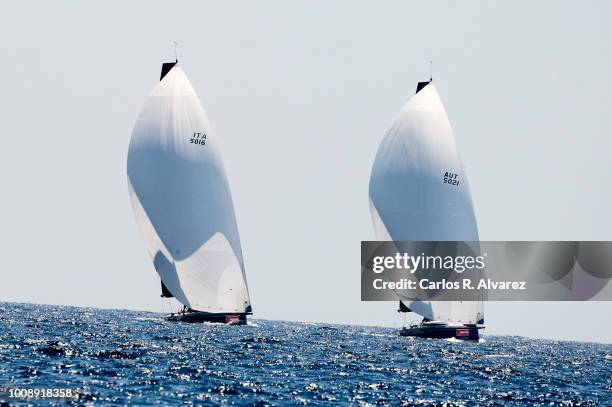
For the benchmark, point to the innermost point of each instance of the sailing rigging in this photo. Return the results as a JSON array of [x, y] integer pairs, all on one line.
[[419, 192], [183, 205]]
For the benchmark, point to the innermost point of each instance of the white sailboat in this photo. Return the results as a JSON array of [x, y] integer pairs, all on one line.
[[419, 192], [183, 206]]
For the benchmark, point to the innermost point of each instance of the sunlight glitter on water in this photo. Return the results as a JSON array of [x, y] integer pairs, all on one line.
[[119, 357]]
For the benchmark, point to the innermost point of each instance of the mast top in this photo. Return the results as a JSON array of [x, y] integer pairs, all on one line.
[[167, 66], [421, 85]]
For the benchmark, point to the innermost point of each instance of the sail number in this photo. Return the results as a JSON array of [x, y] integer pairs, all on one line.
[[198, 138], [451, 178]]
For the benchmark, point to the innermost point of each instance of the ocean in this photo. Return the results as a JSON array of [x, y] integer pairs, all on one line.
[[124, 357]]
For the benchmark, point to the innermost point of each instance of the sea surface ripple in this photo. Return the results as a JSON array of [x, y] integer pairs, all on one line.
[[127, 357]]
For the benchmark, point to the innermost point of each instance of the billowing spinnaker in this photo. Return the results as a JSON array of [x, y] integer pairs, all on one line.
[[419, 191], [182, 202]]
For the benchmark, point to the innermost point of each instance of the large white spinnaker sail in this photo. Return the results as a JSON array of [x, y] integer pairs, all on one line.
[[182, 201], [419, 191]]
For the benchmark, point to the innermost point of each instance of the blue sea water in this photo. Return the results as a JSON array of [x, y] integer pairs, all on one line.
[[126, 357]]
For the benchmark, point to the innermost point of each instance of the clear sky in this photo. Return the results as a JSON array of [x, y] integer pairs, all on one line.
[[301, 94]]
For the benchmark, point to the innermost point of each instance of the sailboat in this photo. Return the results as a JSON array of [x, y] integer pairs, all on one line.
[[419, 192], [183, 206]]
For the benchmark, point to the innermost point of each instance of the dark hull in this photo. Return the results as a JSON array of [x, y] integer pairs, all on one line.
[[198, 316], [468, 332]]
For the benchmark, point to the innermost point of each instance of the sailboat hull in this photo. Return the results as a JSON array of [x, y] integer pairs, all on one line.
[[200, 316], [464, 332]]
